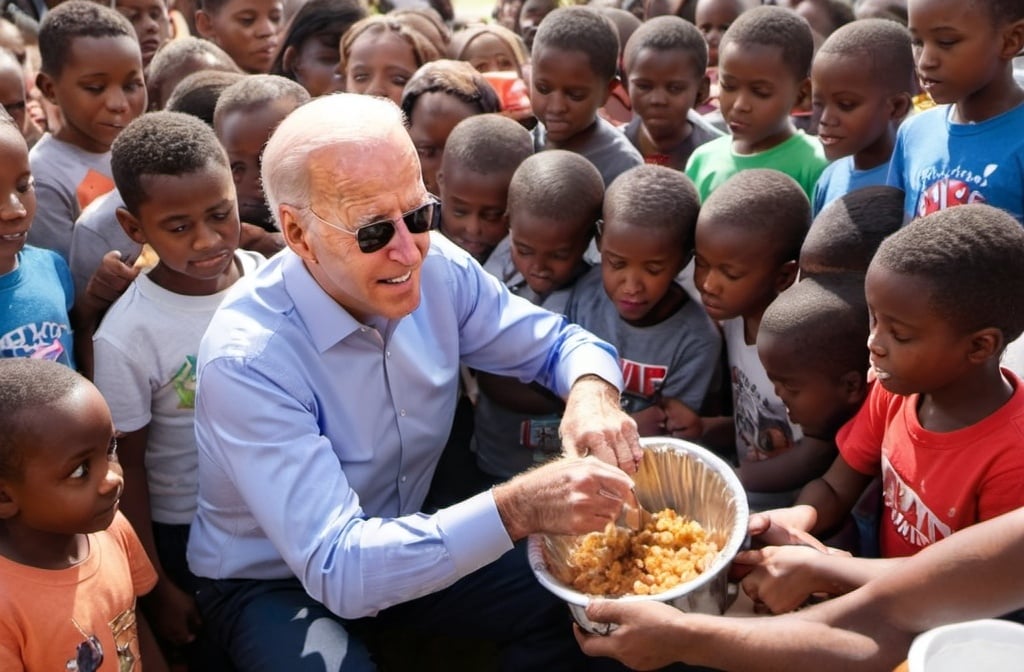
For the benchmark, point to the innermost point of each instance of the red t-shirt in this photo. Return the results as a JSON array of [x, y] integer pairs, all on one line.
[[936, 483]]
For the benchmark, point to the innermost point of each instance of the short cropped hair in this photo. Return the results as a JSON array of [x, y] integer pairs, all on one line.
[[169, 56], [161, 143], [73, 19], [824, 320], [584, 30], [847, 232], [880, 46], [198, 93], [771, 206], [668, 33], [557, 181], [773, 26], [252, 91], [429, 22], [625, 23], [1004, 11], [655, 198], [330, 18], [973, 258], [28, 386], [488, 144], [455, 78], [423, 48]]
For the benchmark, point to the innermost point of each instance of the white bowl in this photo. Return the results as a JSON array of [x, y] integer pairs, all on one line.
[[696, 483], [987, 645]]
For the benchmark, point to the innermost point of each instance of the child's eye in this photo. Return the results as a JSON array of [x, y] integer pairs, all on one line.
[[427, 152], [762, 93], [112, 450], [81, 471], [94, 88], [399, 81], [26, 186], [676, 89], [524, 253], [542, 90], [723, 86], [577, 96], [846, 105]]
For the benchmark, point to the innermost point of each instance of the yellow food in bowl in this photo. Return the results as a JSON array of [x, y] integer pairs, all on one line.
[[668, 551]]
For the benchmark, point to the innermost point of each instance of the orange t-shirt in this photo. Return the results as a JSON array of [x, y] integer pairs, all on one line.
[[48, 616]]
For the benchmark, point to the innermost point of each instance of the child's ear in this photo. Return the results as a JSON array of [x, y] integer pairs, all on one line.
[[440, 180], [854, 387], [45, 84], [900, 106], [803, 100], [786, 275], [131, 226], [985, 343], [204, 25], [296, 233], [611, 86], [288, 59], [1013, 41], [703, 91]]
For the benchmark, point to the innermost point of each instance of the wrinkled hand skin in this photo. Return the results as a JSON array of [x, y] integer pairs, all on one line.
[[595, 424], [567, 496], [645, 638]]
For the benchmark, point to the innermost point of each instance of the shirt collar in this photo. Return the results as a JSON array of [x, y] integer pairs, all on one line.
[[327, 322]]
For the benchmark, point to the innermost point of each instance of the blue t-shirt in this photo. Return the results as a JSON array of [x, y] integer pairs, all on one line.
[[34, 302], [940, 163], [840, 178]]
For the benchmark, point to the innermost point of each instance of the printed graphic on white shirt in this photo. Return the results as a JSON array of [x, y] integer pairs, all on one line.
[[761, 432]]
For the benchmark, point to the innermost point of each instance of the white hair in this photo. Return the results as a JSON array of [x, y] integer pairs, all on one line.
[[337, 119]]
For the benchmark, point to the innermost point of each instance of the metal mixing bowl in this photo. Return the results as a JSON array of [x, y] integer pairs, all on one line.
[[696, 483]]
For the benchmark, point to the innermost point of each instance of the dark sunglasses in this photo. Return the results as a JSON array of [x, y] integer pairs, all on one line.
[[375, 235], [89, 655]]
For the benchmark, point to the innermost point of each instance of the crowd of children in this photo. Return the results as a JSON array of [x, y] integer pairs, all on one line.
[[736, 196]]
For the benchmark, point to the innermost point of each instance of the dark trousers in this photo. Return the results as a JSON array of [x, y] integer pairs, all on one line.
[[275, 625]]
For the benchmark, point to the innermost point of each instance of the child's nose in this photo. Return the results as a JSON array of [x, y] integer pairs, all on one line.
[[113, 480], [12, 207]]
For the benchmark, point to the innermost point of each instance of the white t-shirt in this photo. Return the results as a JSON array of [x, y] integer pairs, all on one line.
[[763, 429], [145, 360]]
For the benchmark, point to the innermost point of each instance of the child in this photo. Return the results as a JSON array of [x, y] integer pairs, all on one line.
[[480, 157], [151, 22], [13, 96], [248, 30], [92, 70], [861, 81], [36, 291], [748, 239], [309, 52], [178, 59], [70, 565], [515, 424], [247, 112], [198, 93], [574, 65], [665, 60], [490, 48], [437, 97], [942, 425], [968, 149], [667, 345], [380, 54], [846, 234], [179, 198], [713, 18], [812, 344], [763, 68], [531, 14]]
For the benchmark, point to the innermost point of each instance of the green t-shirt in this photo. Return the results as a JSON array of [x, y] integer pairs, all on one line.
[[801, 157]]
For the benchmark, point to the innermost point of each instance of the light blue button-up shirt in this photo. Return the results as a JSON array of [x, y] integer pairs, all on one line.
[[318, 435]]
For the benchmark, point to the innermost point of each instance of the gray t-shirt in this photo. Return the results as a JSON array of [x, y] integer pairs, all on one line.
[[607, 148], [68, 179], [678, 357], [97, 232], [676, 157], [507, 442]]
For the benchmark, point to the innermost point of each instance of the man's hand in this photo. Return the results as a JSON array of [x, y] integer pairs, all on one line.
[[173, 614], [645, 639], [595, 424], [567, 496]]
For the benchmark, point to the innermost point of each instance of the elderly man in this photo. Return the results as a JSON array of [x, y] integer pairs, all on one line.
[[326, 388]]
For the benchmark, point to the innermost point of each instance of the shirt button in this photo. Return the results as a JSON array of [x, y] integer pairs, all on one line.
[[389, 353], [404, 479], [362, 330], [402, 412]]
